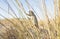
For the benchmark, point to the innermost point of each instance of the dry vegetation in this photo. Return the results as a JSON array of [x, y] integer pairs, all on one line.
[[17, 28], [24, 29]]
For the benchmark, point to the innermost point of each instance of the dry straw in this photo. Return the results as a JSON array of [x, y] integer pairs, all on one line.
[[17, 28]]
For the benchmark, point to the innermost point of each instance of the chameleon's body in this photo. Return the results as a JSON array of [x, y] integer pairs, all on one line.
[[33, 18]]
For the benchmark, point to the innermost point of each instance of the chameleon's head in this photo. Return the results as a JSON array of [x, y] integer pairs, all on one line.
[[31, 12]]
